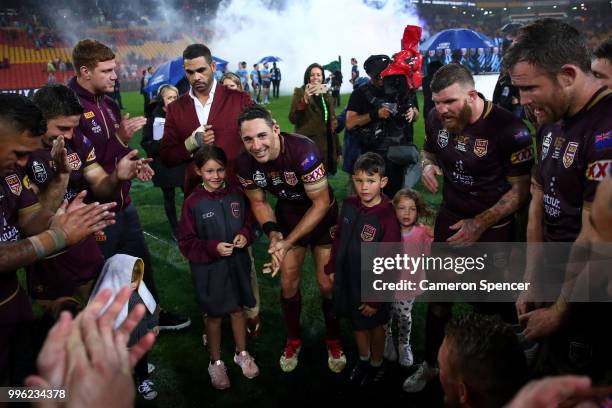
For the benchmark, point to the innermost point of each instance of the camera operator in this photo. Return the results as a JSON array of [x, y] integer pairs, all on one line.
[[383, 121]]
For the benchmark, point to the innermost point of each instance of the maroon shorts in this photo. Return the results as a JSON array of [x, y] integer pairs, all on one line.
[[16, 310], [288, 215]]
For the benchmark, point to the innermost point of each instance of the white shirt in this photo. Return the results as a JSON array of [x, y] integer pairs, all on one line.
[[203, 110]]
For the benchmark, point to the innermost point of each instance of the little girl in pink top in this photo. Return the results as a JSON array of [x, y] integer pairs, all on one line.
[[417, 238]]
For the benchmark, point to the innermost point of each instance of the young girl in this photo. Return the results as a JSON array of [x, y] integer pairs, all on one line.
[[417, 238], [213, 236]]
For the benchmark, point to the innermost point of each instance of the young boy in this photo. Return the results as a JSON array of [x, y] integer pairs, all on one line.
[[367, 217]]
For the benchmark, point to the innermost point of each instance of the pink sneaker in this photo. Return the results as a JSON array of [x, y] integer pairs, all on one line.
[[218, 375], [247, 363]]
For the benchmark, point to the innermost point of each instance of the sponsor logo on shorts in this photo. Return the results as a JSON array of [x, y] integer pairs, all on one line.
[[599, 170], [368, 232], [74, 161], [546, 144], [603, 140], [443, 138], [291, 178], [14, 184], [521, 156], [260, 179], [235, 206], [89, 115], [570, 153], [315, 175], [40, 174], [480, 147]]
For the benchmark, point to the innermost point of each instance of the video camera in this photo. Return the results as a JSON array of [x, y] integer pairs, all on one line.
[[404, 73]]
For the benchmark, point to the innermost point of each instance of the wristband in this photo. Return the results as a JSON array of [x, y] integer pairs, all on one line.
[[269, 227], [48, 242]]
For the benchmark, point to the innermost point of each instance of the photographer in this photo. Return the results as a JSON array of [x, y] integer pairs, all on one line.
[[382, 122], [312, 113]]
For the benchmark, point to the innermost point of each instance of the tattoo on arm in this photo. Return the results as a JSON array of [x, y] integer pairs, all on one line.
[[16, 254], [507, 204]]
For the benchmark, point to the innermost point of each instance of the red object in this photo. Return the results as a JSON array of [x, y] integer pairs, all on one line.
[[408, 61]]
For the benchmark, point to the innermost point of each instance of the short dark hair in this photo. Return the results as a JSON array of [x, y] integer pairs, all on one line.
[[197, 50], [209, 152], [309, 70], [451, 74], [18, 113], [487, 353], [371, 163], [255, 112], [604, 50], [549, 44], [57, 100], [87, 53]]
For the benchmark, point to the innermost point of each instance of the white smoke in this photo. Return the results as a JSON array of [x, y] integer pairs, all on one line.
[[305, 31]]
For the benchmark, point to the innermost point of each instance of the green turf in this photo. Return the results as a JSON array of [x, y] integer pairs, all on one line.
[[181, 376]]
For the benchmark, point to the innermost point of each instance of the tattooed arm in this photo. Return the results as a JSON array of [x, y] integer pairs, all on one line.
[[470, 229]]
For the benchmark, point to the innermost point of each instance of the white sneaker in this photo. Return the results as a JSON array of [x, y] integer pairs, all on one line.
[[218, 375], [146, 390], [390, 353], [406, 358], [419, 379], [247, 364]]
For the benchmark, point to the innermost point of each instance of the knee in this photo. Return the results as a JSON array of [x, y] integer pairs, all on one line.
[[289, 286]]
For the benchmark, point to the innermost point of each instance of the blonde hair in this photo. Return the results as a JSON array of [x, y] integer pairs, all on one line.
[[234, 78], [164, 88]]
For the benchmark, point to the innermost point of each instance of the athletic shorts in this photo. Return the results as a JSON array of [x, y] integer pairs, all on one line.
[[288, 215]]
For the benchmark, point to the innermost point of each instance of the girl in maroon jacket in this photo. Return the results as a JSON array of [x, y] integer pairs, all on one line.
[[214, 234]]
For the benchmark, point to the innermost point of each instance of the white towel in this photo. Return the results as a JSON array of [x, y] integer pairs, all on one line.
[[117, 273]]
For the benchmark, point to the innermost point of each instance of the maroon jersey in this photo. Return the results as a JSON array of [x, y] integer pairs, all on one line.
[[16, 198], [478, 162], [573, 156], [60, 274], [297, 168]]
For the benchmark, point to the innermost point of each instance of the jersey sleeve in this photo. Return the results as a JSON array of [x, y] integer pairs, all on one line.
[[516, 148], [244, 172], [39, 171], [89, 155], [311, 169], [27, 200], [599, 163]]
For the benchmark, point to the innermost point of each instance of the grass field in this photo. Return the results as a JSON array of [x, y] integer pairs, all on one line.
[[181, 376]]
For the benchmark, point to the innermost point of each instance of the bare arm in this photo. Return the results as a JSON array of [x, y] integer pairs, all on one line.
[[470, 229], [106, 186], [354, 119], [53, 195], [16, 254], [259, 206]]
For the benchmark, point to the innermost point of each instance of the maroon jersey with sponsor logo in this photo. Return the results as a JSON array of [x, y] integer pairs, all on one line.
[[478, 162], [573, 156], [298, 165], [60, 274], [16, 198]]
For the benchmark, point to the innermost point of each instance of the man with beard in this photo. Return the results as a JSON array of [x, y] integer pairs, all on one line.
[[551, 66], [21, 125], [485, 155], [208, 114]]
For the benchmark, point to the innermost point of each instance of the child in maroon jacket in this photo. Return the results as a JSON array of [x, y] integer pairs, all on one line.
[[367, 217], [214, 234]]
